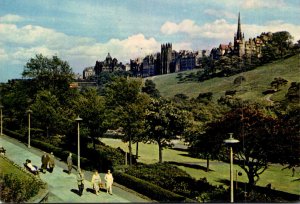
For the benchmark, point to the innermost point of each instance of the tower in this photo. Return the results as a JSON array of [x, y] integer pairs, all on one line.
[[166, 58], [239, 43]]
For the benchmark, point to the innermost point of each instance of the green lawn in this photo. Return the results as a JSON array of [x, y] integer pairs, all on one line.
[[8, 168], [257, 81], [148, 153]]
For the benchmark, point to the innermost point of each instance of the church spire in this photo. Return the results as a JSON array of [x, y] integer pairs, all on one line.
[[239, 30]]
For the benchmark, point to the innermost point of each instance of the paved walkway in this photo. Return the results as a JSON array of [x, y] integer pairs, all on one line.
[[62, 186]]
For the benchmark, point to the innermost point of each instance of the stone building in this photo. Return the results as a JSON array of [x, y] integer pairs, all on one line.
[[166, 58], [88, 72], [108, 65], [241, 47]]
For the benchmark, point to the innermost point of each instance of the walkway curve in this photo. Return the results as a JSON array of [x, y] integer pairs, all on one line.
[[62, 186]]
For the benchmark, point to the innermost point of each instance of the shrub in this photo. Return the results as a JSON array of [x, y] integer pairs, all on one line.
[[14, 189], [170, 177], [238, 80], [146, 188]]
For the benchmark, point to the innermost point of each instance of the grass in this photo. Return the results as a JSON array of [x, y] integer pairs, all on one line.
[[8, 168], [257, 81], [148, 153]]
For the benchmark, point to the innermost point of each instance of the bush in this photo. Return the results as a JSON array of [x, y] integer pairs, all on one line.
[[14, 189], [170, 177], [146, 188]]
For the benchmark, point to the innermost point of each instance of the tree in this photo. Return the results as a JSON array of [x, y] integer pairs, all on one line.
[[91, 108], [254, 128], [51, 74], [150, 89], [286, 150], [126, 105], [46, 112], [164, 122], [283, 41]]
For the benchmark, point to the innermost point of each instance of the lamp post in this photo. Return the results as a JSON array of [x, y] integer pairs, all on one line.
[[29, 111], [78, 119], [230, 141], [1, 107]]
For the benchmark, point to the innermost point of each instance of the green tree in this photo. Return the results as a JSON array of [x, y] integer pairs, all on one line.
[[127, 105], [283, 41], [91, 108], [164, 122], [150, 89], [51, 74], [46, 112], [254, 128]]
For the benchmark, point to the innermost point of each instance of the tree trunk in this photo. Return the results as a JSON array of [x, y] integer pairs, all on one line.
[[137, 150], [207, 163], [160, 153], [130, 151]]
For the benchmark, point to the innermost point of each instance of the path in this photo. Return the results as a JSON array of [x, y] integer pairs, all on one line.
[[62, 186]]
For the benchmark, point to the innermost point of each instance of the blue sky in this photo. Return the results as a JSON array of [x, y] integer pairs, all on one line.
[[83, 31]]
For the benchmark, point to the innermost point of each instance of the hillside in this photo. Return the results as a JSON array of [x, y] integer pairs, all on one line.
[[257, 81]]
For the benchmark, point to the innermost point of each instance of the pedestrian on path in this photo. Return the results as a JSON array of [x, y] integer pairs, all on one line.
[[51, 162], [109, 181], [96, 182], [70, 163], [80, 179], [45, 159]]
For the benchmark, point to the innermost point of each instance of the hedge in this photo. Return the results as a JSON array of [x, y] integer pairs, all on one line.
[[146, 188]]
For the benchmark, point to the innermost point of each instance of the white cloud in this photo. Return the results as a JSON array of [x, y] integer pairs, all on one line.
[[253, 4], [219, 29], [19, 44], [10, 18], [220, 13], [223, 32]]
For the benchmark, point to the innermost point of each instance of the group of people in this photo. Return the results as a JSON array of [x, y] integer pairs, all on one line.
[[48, 162], [96, 182]]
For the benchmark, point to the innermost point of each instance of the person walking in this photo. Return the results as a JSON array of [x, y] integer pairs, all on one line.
[[109, 181], [80, 181], [70, 163], [44, 160], [51, 162], [96, 182]]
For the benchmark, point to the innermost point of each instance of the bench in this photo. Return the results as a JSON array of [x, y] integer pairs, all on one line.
[[33, 172]]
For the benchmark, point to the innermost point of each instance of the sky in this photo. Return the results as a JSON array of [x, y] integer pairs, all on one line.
[[83, 31]]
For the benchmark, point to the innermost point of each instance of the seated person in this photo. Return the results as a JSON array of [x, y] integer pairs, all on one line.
[[30, 166]]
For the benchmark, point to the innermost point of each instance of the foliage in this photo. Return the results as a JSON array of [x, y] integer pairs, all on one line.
[[51, 74], [150, 89], [146, 188], [164, 122], [126, 106], [91, 108], [15, 189], [254, 129]]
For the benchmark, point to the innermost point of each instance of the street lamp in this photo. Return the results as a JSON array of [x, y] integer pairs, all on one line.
[[29, 111], [230, 141], [1, 107], [78, 119]]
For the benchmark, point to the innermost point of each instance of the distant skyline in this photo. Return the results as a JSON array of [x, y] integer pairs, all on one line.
[[82, 32]]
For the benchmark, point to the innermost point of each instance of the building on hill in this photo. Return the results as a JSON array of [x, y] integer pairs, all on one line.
[[241, 47], [88, 72], [108, 65], [166, 58]]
